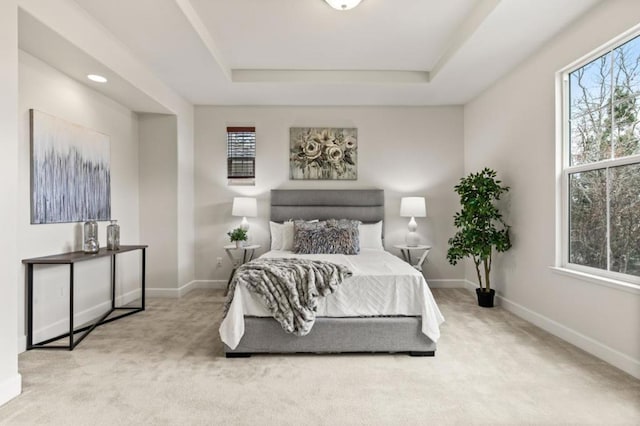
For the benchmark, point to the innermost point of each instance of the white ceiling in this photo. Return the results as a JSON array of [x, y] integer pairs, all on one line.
[[302, 52], [44, 43], [307, 34]]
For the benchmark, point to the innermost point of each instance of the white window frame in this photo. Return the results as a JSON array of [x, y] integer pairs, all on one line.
[[564, 169]]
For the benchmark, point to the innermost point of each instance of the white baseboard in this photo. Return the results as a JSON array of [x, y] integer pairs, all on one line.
[[62, 326], [446, 283], [10, 388], [616, 358], [181, 291], [470, 285], [125, 299], [586, 343]]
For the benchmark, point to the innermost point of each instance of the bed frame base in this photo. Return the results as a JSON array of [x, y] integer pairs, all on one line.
[[336, 335], [238, 354], [427, 353], [412, 353]]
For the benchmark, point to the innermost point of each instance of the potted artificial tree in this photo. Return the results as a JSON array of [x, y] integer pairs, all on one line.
[[480, 228]]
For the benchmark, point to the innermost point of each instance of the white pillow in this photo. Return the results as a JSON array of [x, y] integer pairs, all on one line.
[[371, 236], [276, 235], [287, 236], [281, 235]]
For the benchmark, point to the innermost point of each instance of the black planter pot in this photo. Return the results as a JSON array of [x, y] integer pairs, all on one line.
[[485, 299]]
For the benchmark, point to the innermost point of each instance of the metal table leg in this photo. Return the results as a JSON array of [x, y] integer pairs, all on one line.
[[71, 345], [29, 306]]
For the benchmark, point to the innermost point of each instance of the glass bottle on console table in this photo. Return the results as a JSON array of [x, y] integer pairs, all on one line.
[[90, 239], [113, 236]]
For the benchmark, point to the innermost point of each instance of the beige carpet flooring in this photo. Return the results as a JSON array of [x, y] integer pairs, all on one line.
[[166, 366]]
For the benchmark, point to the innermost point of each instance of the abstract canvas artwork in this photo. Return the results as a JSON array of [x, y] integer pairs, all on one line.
[[323, 153], [70, 171]]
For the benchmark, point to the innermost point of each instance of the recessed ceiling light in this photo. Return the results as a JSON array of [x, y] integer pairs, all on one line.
[[97, 78], [343, 4]]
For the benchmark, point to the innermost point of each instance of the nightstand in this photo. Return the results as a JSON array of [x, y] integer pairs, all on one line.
[[247, 253], [406, 254]]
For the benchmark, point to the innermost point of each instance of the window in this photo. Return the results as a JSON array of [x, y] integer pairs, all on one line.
[[601, 164], [241, 155]]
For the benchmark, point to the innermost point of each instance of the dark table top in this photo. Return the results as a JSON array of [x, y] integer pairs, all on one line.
[[79, 256]]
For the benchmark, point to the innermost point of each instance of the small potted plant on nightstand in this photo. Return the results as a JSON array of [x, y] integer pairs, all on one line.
[[238, 236], [480, 228]]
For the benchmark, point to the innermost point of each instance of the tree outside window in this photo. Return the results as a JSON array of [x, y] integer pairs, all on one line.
[[602, 173]]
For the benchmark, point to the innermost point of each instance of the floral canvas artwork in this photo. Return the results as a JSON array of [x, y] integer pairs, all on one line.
[[323, 153]]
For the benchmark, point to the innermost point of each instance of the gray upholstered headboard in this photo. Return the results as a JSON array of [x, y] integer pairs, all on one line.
[[366, 205]]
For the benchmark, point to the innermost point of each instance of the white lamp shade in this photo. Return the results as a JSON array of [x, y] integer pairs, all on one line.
[[413, 207], [343, 4], [245, 207]]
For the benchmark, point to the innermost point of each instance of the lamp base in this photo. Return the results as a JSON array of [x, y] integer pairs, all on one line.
[[412, 239]]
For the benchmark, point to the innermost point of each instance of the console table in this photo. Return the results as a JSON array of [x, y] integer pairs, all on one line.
[[71, 259]]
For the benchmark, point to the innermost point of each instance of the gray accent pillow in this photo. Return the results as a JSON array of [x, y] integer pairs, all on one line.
[[353, 226], [327, 237], [308, 224]]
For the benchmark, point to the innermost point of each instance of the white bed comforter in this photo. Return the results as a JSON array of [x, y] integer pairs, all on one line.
[[382, 284]]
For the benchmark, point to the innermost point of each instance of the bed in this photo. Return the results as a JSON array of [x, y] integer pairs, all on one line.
[[386, 306]]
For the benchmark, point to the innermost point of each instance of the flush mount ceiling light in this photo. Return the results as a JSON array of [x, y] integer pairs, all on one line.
[[343, 4], [97, 78]]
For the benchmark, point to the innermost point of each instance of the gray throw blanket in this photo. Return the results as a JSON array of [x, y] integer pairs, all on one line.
[[290, 288]]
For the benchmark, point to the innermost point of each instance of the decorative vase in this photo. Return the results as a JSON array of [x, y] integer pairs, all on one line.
[[91, 244], [238, 244], [113, 236], [485, 299]]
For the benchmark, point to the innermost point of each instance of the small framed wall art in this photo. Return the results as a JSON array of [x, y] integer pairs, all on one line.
[[323, 153]]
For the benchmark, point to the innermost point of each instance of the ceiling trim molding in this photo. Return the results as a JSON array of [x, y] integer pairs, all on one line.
[[329, 76], [201, 30], [469, 26]]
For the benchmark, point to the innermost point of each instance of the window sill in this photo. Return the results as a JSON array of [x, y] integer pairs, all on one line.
[[595, 279], [241, 182]]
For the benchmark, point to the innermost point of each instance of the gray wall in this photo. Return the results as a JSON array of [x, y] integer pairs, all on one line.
[[512, 128], [10, 382], [44, 88], [159, 197], [407, 151]]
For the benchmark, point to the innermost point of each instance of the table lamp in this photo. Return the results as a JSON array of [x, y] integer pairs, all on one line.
[[245, 207], [413, 207]]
